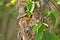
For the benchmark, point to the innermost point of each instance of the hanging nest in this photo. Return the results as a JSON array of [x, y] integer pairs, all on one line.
[[25, 23], [25, 27]]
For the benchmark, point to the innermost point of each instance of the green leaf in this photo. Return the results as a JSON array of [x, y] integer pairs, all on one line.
[[1, 3], [29, 6], [33, 6], [47, 13], [46, 35], [53, 37], [56, 12], [58, 1], [29, 13], [49, 36], [53, 18], [39, 35], [37, 26], [37, 4]]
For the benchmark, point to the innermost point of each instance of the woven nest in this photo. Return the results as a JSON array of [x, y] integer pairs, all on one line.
[[25, 28]]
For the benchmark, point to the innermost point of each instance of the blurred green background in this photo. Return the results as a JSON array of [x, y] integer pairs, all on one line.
[[8, 19], [8, 22]]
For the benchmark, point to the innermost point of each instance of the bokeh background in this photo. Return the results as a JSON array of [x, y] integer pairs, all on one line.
[[8, 21]]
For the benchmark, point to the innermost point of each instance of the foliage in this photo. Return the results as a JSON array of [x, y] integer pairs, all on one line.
[[12, 2], [44, 34], [52, 15], [47, 12], [1, 3], [30, 6], [40, 28], [49, 36], [53, 18], [58, 1], [39, 34], [37, 26]]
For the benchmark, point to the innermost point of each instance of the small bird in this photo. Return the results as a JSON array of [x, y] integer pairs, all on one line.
[[21, 10], [24, 16], [27, 18]]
